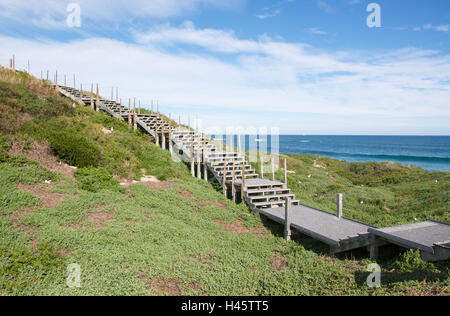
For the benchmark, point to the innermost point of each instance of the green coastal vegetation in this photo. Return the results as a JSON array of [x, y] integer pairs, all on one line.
[[78, 186]]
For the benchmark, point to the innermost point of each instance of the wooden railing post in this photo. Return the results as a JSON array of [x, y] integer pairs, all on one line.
[[129, 113], [243, 183], [163, 136], [97, 100], [224, 178], [170, 140], [273, 168], [134, 116], [205, 165], [287, 220], [285, 174], [261, 167], [192, 155], [233, 180], [120, 110], [339, 205]]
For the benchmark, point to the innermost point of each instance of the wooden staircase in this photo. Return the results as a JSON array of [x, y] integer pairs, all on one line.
[[226, 166]]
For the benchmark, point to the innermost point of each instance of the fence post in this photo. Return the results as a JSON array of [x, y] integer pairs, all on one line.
[[285, 174], [129, 113], [340, 205], [163, 136], [134, 116], [261, 166], [97, 100], [287, 220], [120, 110], [170, 140], [233, 180], [205, 166], [273, 168], [192, 155], [243, 183], [224, 177]]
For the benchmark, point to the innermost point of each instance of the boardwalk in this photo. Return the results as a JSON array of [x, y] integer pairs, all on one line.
[[268, 197], [341, 234], [431, 238]]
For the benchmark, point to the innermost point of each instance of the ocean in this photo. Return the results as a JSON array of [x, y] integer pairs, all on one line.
[[431, 153]]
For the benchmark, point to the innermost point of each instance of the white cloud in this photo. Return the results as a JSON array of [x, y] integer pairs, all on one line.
[[321, 4], [268, 15], [317, 31], [261, 76], [54, 11], [426, 27]]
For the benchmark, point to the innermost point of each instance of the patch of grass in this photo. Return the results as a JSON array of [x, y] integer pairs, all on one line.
[[96, 179]]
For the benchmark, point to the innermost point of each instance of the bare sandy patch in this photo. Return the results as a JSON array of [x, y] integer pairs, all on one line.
[[41, 152], [162, 287], [238, 228], [42, 191], [278, 262]]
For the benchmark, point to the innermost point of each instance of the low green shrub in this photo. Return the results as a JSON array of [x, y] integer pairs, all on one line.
[[75, 149], [94, 180]]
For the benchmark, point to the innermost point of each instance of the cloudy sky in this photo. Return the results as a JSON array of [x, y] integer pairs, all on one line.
[[304, 66]]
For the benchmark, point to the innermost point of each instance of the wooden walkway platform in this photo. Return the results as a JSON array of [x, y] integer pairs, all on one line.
[[341, 234], [268, 197], [431, 238]]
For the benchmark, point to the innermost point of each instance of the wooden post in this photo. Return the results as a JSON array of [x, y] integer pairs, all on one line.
[[117, 95], [10, 65], [156, 134], [14, 64], [287, 220], [285, 174], [224, 177], [199, 164], [243, 183], [129, 113], [205, 166], [139, 108], [374, 248], [233, 180], [340, 206], [170, 140], [120, 110], [261, 166], [239, 144], [273, 169], [92, 94], [56, 79], [163, 136], [97, 100], [192, 155], [134, 116]]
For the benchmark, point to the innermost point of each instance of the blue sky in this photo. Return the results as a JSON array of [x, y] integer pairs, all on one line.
[[304, 66]]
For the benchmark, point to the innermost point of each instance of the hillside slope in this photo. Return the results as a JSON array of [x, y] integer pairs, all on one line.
[[73, 190]]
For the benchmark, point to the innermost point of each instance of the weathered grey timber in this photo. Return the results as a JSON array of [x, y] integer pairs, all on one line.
[[431, 238], [273, 198], [341, 234]]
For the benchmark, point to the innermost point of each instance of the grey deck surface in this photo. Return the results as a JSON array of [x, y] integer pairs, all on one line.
[[319, 224], [423, 236]]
